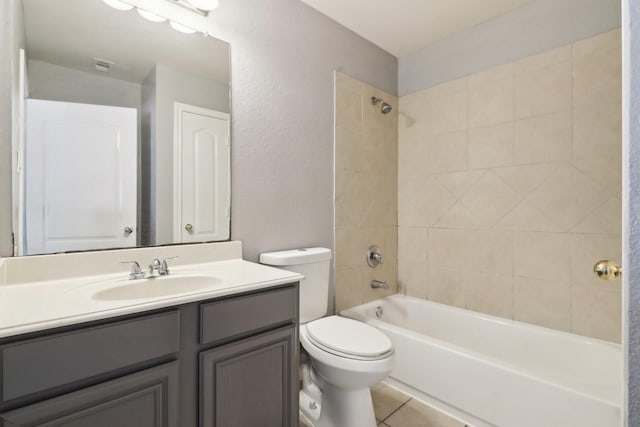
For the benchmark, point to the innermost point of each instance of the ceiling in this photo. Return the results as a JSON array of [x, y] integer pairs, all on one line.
[[402, 26]]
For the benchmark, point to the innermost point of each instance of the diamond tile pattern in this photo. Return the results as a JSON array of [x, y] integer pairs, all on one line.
[[507, 186]]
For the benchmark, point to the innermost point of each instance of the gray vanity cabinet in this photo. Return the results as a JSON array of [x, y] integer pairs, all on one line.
[[250, 382], [227, 362], [144, 399]]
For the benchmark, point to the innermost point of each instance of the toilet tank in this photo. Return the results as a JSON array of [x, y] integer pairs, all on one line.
[[314, 264]]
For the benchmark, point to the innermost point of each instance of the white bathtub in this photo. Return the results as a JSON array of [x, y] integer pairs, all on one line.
[[489, 371]]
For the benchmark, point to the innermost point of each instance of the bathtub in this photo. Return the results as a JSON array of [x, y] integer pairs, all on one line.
[[489, 371]]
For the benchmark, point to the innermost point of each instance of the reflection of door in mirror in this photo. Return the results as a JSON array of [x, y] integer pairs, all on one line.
[[109, 57], [201, 160], [80, 177]]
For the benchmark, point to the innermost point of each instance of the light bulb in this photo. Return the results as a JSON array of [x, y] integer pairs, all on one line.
[[182, 28], [204, 4], [117, 4], [151, 16]]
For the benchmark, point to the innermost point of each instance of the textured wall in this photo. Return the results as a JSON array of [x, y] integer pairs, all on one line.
[[533, 28], [366, 146], [632, 207], [510, 185], [282, 60]]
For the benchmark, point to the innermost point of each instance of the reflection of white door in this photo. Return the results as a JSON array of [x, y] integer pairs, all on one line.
[[201, 179], [80, 166]]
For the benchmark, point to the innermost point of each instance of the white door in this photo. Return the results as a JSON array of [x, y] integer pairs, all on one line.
[[80, 164], [201, 185]]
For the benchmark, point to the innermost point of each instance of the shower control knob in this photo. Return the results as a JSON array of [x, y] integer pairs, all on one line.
[[189, 228], [374, 257]]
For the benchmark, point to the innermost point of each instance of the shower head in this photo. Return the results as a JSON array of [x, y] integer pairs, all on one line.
[[385, 107]]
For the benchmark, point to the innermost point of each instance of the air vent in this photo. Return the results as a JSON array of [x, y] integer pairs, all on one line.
[[103, 65]]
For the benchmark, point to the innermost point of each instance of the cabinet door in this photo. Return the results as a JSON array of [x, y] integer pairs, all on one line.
[[144, 399], [252, 382]]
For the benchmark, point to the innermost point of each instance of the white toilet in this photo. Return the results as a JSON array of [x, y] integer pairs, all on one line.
[[347, 356]]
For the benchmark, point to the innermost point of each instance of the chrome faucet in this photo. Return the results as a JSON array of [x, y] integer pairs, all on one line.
[[374, 256], [377, 284], [136, 271], [160, 266]]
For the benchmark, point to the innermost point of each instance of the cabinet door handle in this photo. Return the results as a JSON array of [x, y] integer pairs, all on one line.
[[128, 230], [189, 228]]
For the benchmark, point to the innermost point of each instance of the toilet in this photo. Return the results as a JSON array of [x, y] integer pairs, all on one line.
[[346, 356]]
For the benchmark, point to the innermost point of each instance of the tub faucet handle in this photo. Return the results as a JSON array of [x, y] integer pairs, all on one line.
[[374, 256]]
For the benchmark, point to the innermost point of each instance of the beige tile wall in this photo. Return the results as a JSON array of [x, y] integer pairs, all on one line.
[[509, 189], [366, 159]]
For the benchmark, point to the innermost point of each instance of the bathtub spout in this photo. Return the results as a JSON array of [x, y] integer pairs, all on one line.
[[377, 284]]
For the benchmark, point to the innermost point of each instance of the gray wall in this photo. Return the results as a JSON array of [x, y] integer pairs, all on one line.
[[283, 54], [632, 207], [56, 83], [534, 28]]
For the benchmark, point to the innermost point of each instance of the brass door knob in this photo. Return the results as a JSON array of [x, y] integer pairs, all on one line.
[[607, 270], [188, 227]]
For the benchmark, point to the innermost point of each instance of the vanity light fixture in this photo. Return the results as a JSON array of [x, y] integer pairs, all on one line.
[[207, 5], [117, 4], [150, 16], [201, 7], [182, 28]]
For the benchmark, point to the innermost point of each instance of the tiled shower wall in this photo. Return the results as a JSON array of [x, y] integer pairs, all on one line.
[[509, 190], [366, 160]]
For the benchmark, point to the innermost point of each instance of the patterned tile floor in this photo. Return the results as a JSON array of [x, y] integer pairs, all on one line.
[[395, 409]]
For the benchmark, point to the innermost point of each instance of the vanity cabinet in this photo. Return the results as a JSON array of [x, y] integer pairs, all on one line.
[[253, 373], [227, 362], [144, 399]]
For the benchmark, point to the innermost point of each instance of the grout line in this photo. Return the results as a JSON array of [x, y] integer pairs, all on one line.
[[399, 407]]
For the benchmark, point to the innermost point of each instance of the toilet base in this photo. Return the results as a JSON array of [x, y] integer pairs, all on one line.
[[339, 408]]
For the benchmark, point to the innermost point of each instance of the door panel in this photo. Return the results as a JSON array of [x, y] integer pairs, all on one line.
[[255, 373], [81, 166], [203, 186]]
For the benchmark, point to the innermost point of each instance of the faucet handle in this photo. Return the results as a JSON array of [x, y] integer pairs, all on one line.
[[374, 256], [164, 267], [136, 271]]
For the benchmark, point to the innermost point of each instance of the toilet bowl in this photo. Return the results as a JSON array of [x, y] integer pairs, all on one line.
[[345, 357], [342, 372]]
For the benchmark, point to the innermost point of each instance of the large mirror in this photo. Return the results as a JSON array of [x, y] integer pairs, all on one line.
[[124, 137]]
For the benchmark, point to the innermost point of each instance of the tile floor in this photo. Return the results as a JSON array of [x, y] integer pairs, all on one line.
[[395, 409]]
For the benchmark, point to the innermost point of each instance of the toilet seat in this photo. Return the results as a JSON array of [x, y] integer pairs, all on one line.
[[348, 338]]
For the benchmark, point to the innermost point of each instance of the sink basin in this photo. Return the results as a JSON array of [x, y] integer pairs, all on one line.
[[157, 287]]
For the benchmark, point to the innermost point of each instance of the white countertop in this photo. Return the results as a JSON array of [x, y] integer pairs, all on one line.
[[39, 305]]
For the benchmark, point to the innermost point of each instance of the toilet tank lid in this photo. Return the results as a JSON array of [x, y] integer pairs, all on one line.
[[295, 256]]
